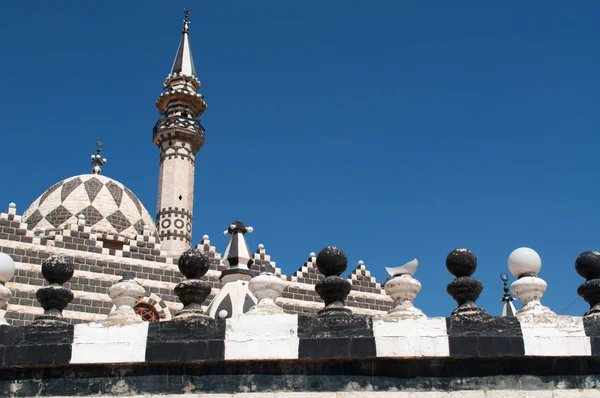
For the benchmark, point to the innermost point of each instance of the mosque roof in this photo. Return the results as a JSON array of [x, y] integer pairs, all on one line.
[[108, 206]]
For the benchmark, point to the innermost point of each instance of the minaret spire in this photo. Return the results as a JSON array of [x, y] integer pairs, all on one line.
[[179, 136], [184, 62]]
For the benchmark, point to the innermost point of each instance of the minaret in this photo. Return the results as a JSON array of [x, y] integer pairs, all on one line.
[[179, 136]]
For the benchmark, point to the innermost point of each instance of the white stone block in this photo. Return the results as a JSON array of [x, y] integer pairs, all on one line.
[[555, 336], [94, 343], [423, 337], [262, 337]]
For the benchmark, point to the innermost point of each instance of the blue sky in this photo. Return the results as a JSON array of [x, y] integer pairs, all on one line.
[[391, 129]]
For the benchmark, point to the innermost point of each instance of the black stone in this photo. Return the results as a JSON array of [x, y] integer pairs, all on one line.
[[591, 325], [484, 335], [192, 293], [461, 262], [193, 264], [49, 344], [465, 290], [226, 305], [333, 290], [55, 298], [332, 261], [57, 269], [335, 337], [590, 291], [200, 339], [392, 375], [588, 265]]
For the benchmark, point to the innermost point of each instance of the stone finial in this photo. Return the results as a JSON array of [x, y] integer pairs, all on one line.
[[81, 220], [525, 264], [146, 231], [403, 288], [7, 270], [98, 160], [237, 256], [54, 298], [465, 290], [588, 266], [331, 262], [508, 309], [12, 209], [125, 294], [266, 287], [192, 292]]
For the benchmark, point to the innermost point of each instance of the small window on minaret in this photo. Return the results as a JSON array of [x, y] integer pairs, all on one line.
[[180, 197]]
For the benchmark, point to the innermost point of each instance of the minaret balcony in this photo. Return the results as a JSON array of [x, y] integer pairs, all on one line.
[[181, 124]]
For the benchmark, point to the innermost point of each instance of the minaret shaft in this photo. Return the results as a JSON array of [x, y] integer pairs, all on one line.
[[179, 136]]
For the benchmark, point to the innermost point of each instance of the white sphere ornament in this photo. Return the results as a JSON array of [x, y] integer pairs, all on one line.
[[223, 314], [7, 268], [524, 261]]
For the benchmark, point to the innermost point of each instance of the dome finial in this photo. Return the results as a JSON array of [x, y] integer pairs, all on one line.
[[98, 160], [186, 20]]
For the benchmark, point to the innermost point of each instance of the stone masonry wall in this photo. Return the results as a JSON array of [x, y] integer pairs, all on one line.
[[99, 264]]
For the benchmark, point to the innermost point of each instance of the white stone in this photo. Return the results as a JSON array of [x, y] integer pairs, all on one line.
[[403, 289], [530, 289], [267, 288], [555, 336], [7, 267], [94, 343], [421, 337], [262, 337], [125, 294], [524, 260]]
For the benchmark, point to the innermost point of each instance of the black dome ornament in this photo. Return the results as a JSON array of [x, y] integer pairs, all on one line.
[[332, 261], [54, 298], [192, 292], [588, 266], [465, 290]]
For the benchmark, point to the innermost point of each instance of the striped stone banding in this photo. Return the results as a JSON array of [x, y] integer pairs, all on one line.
[[259, 337]]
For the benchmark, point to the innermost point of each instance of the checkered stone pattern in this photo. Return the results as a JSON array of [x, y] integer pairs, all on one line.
[[361, 280], [260, 258], [290, 336], [108, 206], [308, 273], [212, 253]]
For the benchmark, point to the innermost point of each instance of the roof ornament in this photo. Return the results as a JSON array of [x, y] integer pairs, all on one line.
[[508, 308], [186, 21], [98, 160], [403, 288]]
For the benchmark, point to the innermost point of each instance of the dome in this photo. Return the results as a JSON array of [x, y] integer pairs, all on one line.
[[108, 206]]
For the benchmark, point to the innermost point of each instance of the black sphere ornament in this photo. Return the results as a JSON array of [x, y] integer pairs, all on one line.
[[465, 290], [192, 292], [55, 297], [588, 266], [332, 261], [461, 262], [193, 264]]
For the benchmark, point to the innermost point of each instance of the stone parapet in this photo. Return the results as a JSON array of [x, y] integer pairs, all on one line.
[[285, 354]]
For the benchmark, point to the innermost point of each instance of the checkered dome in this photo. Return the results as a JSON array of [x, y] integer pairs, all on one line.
[[109, 207]]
